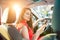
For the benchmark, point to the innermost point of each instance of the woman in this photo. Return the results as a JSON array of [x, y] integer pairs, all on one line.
[[25, 26]]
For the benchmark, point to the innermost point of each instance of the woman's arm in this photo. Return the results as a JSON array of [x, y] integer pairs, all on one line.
[[25, 32], [39, 31], [36, 22]]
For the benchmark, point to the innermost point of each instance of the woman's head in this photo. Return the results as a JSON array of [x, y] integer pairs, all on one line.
[[25, 15]]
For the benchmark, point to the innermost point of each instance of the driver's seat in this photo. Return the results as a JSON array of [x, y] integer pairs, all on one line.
[[7, 29]]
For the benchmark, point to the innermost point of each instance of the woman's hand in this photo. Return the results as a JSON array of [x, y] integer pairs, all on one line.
[[40, 30], [36, 22]]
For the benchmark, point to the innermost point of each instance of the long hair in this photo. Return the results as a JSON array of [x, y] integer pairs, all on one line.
[[21, 17]]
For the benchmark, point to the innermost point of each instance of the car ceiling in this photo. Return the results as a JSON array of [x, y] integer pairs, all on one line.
[[28, 3]]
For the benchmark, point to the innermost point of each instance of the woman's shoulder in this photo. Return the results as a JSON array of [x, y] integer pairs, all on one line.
[[20, 25]]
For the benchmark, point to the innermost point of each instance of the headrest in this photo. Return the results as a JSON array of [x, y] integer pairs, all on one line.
[[9, 16]]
